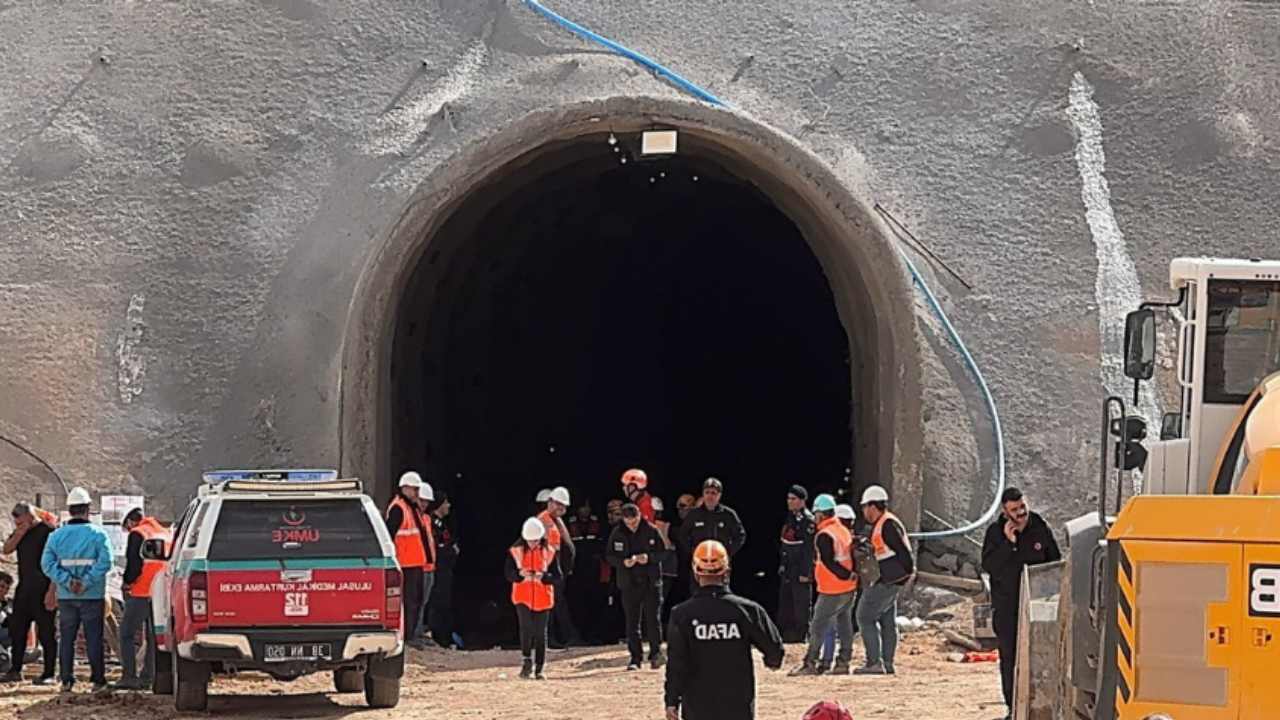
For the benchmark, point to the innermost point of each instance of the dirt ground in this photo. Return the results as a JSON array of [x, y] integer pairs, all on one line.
[[583, 684]]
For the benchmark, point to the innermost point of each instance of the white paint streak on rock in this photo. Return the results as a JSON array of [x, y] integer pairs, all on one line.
[[131, 364], [1117, 289], [399, 128]]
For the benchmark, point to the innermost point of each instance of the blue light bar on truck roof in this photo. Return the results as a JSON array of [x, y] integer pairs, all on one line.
[[217, 476]]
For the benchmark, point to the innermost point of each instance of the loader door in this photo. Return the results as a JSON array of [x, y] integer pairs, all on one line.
[[1180, 630]]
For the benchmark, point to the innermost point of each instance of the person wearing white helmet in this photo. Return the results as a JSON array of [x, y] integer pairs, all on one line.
[[558, 537], [410, 528], [878, 612], [836, 581], [77, 558], [532, 571], [426, 496], [846, 515]]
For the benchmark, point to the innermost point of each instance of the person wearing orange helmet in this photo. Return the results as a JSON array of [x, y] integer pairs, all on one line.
[[827, 710], [710, 673]]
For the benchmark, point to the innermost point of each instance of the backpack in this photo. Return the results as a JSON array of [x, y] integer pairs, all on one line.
[[864, 562]]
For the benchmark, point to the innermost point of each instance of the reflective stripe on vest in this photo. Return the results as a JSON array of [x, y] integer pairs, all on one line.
[[409, 550], [842, 541], [150, 529], [883, 551], [533, 594]]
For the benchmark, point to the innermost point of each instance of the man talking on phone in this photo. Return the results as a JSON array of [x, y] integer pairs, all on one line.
[[1016, 539]]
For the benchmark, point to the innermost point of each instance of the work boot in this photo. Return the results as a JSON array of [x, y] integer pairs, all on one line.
[[656, 660], [11, 677], [43, 680], [840, 668], [101, 688], [526, 669], [539, 675], [66, 688], [877, 669], [633, 665], [888, 669], [129, 684], [806, 670]]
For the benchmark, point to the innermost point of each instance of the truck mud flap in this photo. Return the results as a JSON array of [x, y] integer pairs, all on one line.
[[389, 668]]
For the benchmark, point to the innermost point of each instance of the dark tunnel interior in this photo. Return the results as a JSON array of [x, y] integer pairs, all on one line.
[[578, 316]]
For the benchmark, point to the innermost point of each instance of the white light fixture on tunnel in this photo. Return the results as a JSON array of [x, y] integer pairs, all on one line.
[[658, 142]]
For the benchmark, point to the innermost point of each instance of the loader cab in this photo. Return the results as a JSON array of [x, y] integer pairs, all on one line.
[[1226, 328]]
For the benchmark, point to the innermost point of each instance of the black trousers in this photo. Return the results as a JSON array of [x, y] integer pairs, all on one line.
[[640, 603], [440, 607], [413, 600], [1005, 623], [794, 601], [533, 634], [28, 610], [565, 631]]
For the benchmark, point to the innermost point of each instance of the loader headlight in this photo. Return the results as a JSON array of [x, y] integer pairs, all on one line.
[[1158, 716]]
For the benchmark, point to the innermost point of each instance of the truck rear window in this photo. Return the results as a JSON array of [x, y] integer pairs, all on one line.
[[267, 530]]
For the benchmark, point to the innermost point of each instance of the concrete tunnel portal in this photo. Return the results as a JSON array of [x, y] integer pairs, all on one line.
[[552, 312]]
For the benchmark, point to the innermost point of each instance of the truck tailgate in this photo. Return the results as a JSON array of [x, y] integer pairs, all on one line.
[[247, 593]]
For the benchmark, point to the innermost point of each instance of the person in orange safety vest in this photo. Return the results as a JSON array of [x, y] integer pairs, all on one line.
[[139, 574], [563, 630], [878, 609], [836, 582], [532, 570], [410, 528]]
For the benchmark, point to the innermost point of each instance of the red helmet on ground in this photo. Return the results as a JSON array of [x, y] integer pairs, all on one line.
[[827, 710], [635, 476]]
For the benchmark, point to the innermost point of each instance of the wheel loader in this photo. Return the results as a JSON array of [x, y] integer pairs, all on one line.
[[1167, 605]]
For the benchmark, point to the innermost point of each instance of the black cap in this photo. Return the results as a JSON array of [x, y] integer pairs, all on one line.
[[800, 492]]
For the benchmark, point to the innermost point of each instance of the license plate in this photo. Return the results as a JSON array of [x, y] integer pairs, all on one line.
[[288, 652]]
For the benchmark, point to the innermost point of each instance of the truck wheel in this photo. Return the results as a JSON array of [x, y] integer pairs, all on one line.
[[191, 684], [348, 680], [162, 681], [381, 692]]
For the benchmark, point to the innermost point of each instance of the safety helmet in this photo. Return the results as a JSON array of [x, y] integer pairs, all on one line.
[[560, 495], [635, 476], [533, 530], [824, 503], [845, 512], [78, 496], [426, 493], [411, 479], [827, 710], [710, 558], [543, 495], [875, 493], [657, 504]]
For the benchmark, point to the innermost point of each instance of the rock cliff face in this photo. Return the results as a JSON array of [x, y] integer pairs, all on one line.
[[190, 195]]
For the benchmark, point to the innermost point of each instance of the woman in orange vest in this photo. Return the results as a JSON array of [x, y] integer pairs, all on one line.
[[138, 577], [532, 570], [836, 583], [411, 531]]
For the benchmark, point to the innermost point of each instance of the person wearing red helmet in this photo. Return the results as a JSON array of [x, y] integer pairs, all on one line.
[[635, 485], [827, 710]]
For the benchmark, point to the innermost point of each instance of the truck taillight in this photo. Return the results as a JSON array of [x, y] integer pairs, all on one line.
[[395, 589], [198, 595]]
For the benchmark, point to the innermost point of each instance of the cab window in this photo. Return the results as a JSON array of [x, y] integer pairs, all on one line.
[[1242, 340], [258, 530]]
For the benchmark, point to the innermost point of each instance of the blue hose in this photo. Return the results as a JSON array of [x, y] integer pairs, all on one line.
[[626, 52], [919, 281]]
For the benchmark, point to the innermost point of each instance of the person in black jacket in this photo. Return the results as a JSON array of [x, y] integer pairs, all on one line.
[[710, 675], [33, 597], [877, 612], [712, 520], [440, 604], [636, 552], [1016, 539], [796, 566]]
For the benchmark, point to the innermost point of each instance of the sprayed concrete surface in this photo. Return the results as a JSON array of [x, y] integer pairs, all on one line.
[[188, 194], [582, 685]]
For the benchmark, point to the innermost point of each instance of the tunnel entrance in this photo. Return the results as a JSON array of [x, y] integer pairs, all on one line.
[[548, 314], [589, 312]]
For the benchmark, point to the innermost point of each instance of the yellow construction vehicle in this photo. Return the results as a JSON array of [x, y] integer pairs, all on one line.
[[1170, 608]]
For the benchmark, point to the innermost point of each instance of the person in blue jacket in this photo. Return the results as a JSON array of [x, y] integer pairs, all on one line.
[[77, 558]]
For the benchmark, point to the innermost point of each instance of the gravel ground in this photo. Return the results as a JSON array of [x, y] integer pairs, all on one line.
[[584, 684]]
